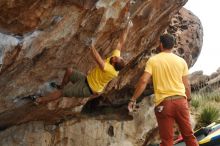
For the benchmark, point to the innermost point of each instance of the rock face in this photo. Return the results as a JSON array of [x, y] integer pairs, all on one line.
[[85, 132], [39, 39]]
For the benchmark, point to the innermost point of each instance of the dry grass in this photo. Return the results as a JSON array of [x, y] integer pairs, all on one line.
[[206, 107]]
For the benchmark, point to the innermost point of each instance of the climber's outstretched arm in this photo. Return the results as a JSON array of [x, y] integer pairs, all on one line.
[[97, 57], [124, 35]]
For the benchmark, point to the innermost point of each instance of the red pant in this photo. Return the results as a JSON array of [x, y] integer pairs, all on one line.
[[174, 110]]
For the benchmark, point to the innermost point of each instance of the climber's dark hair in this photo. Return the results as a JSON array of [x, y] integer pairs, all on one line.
[[119, 65], [167, 41]]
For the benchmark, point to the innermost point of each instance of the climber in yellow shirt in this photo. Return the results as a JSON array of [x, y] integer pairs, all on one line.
[[77, 84]]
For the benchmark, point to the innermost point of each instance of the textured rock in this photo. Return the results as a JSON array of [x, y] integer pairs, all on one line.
[[29, 134], [189, 35], [39, 39], [85, 131]]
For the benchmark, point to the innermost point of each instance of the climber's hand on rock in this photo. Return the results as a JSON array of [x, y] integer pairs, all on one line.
[[131, 106], [93, 41], [130, 24]]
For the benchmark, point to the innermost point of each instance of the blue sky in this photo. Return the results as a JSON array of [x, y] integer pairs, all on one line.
[[208, 12]]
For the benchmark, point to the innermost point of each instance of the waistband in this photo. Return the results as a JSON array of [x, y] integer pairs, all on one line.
[[174, 97]]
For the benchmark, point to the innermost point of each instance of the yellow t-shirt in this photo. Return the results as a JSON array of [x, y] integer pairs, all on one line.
[[98, 78], [167, 70]]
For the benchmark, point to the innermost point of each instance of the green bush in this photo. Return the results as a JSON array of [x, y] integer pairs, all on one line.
[[208, 115]]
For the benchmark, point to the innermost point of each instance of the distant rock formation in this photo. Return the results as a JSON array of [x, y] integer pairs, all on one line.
[[38, 39], [198, 80], [204, 83]]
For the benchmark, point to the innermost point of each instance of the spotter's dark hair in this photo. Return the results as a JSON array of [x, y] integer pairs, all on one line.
[[167, 41]]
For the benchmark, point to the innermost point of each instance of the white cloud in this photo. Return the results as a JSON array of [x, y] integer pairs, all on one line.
[[208, 12]]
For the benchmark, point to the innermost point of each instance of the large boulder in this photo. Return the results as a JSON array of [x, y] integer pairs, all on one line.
[[187, 29]]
